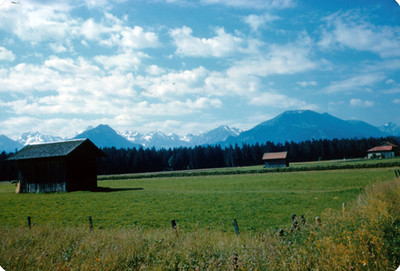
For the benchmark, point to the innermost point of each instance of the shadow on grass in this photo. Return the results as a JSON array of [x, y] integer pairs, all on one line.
[[108, 189]]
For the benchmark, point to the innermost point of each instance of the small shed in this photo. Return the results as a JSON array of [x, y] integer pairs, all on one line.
[[57, 167], [385, 150], [276, 159]]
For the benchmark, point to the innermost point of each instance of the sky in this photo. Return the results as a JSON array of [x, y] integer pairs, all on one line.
[[180, 66]]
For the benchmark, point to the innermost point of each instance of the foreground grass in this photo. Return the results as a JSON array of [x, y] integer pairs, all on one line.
[[366, 236], [257, 201]]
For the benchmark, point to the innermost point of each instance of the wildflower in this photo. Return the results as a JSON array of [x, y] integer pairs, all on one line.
[[97, 260]]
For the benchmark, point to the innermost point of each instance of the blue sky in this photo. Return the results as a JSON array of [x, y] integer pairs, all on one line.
[[181, 66]]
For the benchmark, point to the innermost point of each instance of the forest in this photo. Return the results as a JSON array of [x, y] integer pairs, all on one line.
[[118, 161]]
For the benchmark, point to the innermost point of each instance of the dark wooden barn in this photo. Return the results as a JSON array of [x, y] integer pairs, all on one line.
[[55, 167], [275, 159]]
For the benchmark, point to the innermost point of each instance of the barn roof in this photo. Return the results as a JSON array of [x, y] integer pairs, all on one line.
[[386, 146], [55, 149], [381, 149], [274, 155]]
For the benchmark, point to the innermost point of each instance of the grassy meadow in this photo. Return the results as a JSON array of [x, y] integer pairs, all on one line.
[[366, 236], [132, 222], [257, 201]]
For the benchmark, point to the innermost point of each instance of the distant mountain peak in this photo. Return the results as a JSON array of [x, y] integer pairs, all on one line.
[[105, 136], [292, 125], [9, 145], [30, 138], [301, 125], [391, 128], [296, 112]]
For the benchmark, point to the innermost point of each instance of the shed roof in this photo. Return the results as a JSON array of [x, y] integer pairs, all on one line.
[[274, 155], [382, 149], [55, 149]]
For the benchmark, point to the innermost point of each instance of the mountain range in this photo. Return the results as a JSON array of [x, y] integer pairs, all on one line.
[[301, 125], [296, 125]]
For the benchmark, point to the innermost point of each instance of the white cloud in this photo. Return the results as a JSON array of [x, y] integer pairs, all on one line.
[[126, 61], [352, 31], [80, 67], [359, 82], [77, 87], [36, 22], [390, 81], [396, 101], [95, 3], [92, 30], [173, 84], [57, 47], [361, 103], [277, 100], [6, 55], [57, 126], [27, 78], [307, 83], [258, 4], [289, 59], [227, 84], [136, 38], [244, 77], [154, 70], [256, 21], [113, 32], [143, 109], [223, 44]]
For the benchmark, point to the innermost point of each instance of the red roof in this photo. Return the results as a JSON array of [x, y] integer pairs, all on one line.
[[381, 149], [274, 155]]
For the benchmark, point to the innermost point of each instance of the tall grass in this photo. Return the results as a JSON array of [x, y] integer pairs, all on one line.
[[366, 236]]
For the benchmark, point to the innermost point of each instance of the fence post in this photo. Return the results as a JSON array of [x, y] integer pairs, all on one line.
[[173, 224], [302, 220], [317, 221], [235, 261], [90, 223], [295, 223], [344, 207], [29, 222], [235, 224]]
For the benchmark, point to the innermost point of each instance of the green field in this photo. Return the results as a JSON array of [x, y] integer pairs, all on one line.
[[257, 201]]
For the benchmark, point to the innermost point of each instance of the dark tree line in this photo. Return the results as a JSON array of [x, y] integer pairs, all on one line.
[[151, 160], [8, 169], [135, 160]]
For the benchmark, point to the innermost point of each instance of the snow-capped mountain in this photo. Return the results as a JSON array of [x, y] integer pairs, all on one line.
[[133, 136], [104, 136], [162, 140], [391, 129], [296, 125], [214, 136], [30, 138], [154, 139]]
